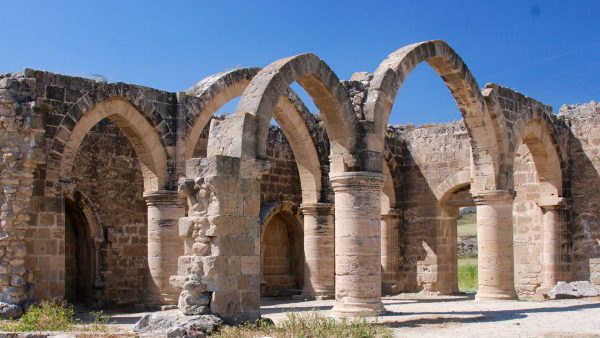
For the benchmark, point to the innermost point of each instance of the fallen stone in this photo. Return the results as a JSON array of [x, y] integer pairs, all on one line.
[[10, 311], [578, 289], [174, 324]]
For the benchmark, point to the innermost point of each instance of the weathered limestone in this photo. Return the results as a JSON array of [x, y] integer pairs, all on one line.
[[164, 245], [447, 254], [390, 255], [19, 156], [551, 241], [319, 271], [495, 245], [357, 243], [221, 269]]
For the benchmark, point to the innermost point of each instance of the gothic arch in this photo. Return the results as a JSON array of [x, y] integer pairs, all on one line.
[[259, 101], [145, 138], [391, 74], [545, 153], [290, 113], [451, 184]]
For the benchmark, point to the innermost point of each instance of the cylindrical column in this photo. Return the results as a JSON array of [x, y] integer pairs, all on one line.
[[447, 253], [390, 256], [357, 243], [164, 245], [319, 280], [495, 245], [551, 245]]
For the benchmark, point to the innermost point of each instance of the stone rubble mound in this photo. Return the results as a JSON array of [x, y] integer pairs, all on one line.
[[564, 290], [174, 324]]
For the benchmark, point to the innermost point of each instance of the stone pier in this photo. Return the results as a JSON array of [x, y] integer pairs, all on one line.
[[357, 243], [495, 252], [220, 273], [319, 272], [164, 245]]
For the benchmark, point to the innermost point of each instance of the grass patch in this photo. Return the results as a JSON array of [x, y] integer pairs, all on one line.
[[467, 274], [55, 316], [467, 225], [313, 324]]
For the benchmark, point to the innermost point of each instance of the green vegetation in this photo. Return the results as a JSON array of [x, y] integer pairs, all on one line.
[[467, 274], [54, 316], [313, 324], [467, 225]]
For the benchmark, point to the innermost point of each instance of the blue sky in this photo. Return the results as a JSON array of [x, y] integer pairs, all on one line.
[[549, 50]]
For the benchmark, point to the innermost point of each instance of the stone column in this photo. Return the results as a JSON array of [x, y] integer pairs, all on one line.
[[357, 243], [495, 245], [164, 245], [390, 255], [551, 227], [319, 272]]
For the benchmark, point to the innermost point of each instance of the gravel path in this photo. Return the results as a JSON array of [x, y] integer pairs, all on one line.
[[415, 315]]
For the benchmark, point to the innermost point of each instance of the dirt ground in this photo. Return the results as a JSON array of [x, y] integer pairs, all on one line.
[[416, 315]]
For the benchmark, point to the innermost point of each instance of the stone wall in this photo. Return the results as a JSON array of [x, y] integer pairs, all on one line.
[[21, 138], [282, 182], [435, 156], [527, 224], [584, 158]]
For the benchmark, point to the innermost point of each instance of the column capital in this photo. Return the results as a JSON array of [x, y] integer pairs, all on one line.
[[162, 197], [356, 180], [554, 203], [317, 209], [494, 197]]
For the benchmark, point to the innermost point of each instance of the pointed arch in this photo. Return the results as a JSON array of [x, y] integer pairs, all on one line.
[[145, 139], [393, 71], [290, 113], [536, 135], [256, 107]]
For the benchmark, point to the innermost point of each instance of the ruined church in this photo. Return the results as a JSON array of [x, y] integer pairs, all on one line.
[[116, 194]]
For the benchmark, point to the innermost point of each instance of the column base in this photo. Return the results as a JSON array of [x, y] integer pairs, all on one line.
[[483, 295], [390, 289], [541, 293], [313, 296], [358, 310]]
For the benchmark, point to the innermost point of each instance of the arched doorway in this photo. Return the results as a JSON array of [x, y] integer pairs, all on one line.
[[536, 211], [83, 284], [282, 261]]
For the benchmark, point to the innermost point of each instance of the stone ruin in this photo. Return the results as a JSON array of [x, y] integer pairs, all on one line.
[[115, 194]]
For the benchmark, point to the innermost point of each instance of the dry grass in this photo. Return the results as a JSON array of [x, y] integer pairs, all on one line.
[[313, 324]]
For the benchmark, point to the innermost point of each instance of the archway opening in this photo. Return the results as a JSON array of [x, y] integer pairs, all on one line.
[[79, 256], [459, 219], [537, 238], [107, 171], [281, 258]]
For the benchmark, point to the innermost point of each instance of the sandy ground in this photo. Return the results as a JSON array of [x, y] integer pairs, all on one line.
[[417, 315], [414, 315]]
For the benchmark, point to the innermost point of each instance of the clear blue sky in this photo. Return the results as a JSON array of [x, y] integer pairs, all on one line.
[[549, 50]]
